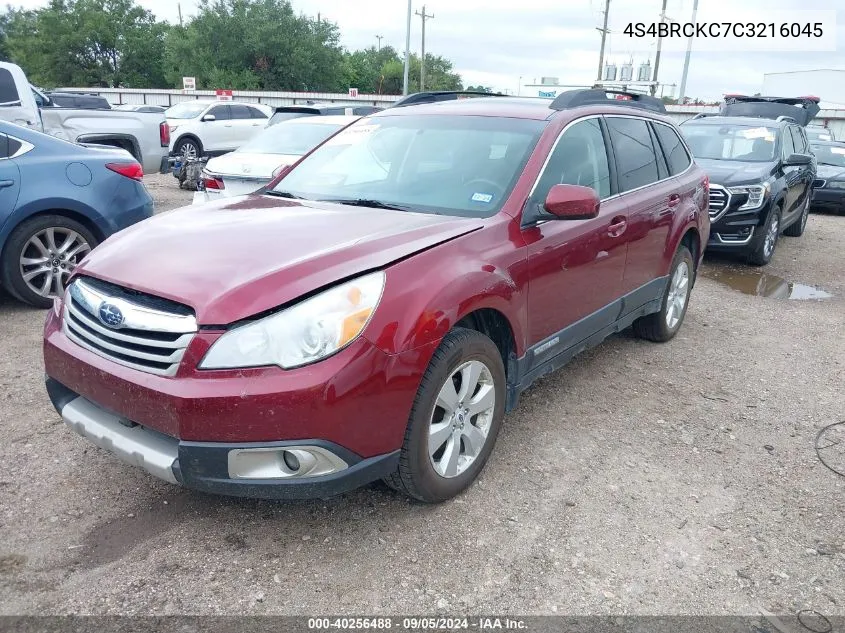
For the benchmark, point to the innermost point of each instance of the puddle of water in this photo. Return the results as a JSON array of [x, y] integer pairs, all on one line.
[[753, 282]]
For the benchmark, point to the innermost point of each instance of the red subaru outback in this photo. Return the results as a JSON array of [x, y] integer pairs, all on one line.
[[376, 311]]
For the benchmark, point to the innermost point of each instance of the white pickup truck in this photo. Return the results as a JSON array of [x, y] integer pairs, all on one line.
[[144, 135]]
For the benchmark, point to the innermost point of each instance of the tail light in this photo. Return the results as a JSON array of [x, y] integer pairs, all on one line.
[[214, 184], [164, 133], [130, 170]]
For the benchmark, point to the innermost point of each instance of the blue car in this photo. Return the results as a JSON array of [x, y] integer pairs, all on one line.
[[58, 200]]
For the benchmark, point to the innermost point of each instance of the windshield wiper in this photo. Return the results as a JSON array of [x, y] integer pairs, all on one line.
[[821, 162], [367, 202], [284, 194]]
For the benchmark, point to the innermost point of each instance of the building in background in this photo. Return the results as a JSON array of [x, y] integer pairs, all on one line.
[[826, 84]]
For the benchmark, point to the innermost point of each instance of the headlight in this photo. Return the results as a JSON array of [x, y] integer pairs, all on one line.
[[836, 184], [756, 195], [302, 334]]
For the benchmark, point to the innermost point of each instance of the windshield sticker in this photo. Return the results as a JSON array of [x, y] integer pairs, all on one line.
[[482, 197], [350, 135], [838, 150], [758, 132]]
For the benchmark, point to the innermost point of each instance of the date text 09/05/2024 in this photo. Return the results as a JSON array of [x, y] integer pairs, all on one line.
[[417, 624], [724, 29]]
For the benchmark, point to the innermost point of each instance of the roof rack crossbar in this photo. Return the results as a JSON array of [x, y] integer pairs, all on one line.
[[599, 96], [441, 95]]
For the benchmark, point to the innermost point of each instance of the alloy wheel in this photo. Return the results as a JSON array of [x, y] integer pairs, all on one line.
[[49, 257], [461, 420], [678, 294]]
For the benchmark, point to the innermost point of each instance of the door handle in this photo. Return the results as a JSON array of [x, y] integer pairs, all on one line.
[[674, 199], [617, 226], [6, 183]]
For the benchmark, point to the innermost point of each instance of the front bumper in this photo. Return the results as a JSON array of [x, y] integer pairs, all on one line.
[[237, 469], [737, 229], [828, 199]]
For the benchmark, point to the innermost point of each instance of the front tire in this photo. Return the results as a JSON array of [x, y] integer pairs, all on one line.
[[454, 420], [40, 256], [188, 147], [662, 326], [768, 242]]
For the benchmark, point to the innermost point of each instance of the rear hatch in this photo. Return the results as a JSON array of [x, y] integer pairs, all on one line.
[[801, 109]]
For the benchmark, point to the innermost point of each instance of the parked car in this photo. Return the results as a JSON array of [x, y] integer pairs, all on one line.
[[285, 113], [145, 136], [45, 231], [829, 186], [819, 133], [376, 311], [255, 164], [212, 128], [761, 171], [138, 107], [76, 100]]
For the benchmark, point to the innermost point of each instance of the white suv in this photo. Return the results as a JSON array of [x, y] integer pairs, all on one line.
[[200, 128]]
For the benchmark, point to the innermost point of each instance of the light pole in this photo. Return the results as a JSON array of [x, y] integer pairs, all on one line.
[[519, 87], [683, 91], [424, 17], [407, 49], [657, 54], [379, 38]]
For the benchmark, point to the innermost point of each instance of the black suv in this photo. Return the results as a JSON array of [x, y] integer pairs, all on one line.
[[761, 171]]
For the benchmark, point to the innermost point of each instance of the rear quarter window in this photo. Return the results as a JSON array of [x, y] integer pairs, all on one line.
[[8, 90], [673, 149]]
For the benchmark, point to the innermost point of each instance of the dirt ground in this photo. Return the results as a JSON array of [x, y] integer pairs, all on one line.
[[641, 479]]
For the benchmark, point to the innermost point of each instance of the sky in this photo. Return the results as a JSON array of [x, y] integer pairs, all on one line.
[[504, 44]]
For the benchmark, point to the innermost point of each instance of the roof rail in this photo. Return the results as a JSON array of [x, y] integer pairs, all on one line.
[[441, 95], [578, 98]]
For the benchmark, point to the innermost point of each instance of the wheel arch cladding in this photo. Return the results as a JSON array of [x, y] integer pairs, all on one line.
[[496, 326], [692, 240]]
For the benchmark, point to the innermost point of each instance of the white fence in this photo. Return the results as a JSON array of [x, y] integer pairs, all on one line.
[[834, 119]]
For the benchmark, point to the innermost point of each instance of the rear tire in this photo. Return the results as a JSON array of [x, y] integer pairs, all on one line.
[[767, 243], [189, 147], [796, 229], [664, 325], [446, 447], [28, 278]]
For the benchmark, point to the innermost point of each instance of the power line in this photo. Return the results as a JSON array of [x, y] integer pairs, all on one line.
[[424, 17]]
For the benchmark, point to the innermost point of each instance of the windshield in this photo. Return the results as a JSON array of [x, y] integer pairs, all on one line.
[[185, 110], [816, 134], [454, 165], [829, 154], [752, 143], [290, 138]]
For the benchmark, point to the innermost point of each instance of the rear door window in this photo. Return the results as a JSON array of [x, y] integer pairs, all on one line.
[[255, 113], [8, 91], [240, 112], [673, 149], [220, 112], [798, 140], [636, 161]]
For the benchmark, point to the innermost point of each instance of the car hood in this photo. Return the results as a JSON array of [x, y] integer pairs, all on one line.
[[732, 172], [246, 165], [238, 257], [830, 172]]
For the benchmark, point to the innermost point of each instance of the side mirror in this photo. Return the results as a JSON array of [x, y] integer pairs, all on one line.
[[572, 202], [208, 118], [796, 160]]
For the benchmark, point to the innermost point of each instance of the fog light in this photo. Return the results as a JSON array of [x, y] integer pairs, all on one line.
[[290, 460]]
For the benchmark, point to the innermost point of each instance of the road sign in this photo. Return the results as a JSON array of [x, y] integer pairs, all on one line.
[[189, 83], [224, 95], [353, 92]]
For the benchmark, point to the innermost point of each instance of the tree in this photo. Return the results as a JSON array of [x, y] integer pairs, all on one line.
[[479, 88], [87, 43]]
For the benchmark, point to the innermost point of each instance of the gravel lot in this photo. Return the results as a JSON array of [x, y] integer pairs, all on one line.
[[641, 479]]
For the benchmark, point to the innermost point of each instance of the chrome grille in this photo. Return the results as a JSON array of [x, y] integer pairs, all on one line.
[[719, 200], [127, 331]]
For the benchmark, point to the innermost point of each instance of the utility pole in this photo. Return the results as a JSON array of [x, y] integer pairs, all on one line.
[[424, 17], [407, 49], [179, 8], [683, 90], [603, 30], [379, 38], [657, 54]]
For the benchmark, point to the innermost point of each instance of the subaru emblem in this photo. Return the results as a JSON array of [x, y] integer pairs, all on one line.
[[110, 315]]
